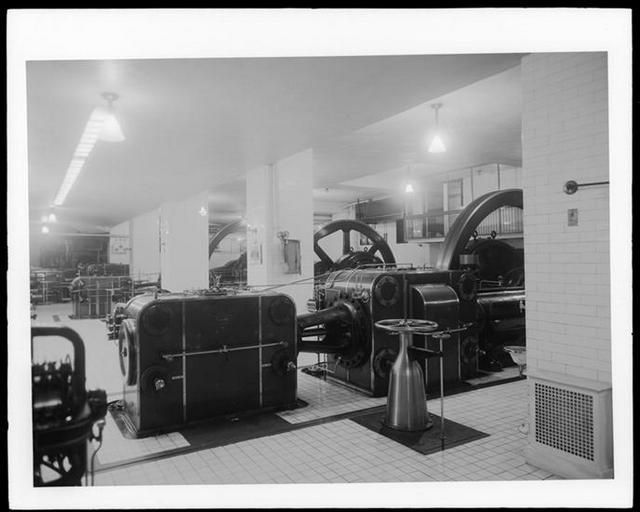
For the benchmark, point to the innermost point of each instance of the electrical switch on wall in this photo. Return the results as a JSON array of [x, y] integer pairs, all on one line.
[[572, 216]]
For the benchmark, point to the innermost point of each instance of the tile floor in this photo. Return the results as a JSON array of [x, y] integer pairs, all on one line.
[[334, 452]]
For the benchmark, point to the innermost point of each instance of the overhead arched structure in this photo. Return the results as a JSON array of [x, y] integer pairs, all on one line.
[[232, 227], [469, 219]]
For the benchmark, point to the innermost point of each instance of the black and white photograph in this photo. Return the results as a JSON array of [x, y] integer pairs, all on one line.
[[319, 258]]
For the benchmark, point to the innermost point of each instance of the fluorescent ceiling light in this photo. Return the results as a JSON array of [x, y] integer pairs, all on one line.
[[102, 125]]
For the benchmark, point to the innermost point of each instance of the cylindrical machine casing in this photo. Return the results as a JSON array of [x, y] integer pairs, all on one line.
[[382, 294], [194, 357]]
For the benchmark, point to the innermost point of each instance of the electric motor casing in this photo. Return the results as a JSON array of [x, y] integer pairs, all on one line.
[[188, 358], [382, 294]]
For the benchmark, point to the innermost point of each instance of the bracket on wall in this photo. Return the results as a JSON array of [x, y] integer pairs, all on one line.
[[571, 187]]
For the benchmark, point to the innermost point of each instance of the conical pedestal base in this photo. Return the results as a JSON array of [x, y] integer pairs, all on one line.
[[406, 400]]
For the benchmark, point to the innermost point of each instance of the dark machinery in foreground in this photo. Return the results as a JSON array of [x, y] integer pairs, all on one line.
[[64, 414], [499, 272], [187, 358], [353, 300], [192, 357], [462, 290]]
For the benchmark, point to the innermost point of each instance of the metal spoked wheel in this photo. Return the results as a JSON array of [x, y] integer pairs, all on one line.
[[378, 253]]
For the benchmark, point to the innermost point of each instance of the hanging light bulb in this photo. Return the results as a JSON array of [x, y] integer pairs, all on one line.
[[45, 230], [52, 217], [408, 188], [110, 131], [203, 211], [437, 145]]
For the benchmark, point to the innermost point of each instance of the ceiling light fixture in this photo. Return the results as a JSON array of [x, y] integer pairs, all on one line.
[[45, 230], [102, 125], [111, 131], [408, 188], [437, 145]]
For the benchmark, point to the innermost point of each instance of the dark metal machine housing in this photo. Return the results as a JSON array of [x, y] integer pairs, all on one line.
[[363, 354], [187, 358]]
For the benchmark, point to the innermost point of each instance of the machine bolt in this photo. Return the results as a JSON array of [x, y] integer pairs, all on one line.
[[158, 384]]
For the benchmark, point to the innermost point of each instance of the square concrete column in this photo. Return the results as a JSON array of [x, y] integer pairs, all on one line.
[[145, 246], [184, 243], [280, 212]]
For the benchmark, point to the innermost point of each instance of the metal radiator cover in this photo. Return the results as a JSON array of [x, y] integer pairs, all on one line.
[[564, 420]]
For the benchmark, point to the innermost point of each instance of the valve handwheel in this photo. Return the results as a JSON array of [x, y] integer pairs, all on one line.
[[349, 258], [411, 325]]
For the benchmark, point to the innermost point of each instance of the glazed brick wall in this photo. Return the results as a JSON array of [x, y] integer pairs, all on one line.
[[565, 137]]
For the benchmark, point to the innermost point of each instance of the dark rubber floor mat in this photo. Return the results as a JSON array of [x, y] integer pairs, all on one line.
[[427, 441]]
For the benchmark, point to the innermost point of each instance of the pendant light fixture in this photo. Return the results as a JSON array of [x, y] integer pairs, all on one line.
[[111, 131], [408, 188], [437, 145]]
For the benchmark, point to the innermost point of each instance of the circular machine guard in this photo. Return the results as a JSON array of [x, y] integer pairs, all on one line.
[[466, 223]]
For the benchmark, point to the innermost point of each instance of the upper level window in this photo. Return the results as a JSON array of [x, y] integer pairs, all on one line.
[[454, 195]]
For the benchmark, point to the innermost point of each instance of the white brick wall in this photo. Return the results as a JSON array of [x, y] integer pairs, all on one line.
[[565, 137]]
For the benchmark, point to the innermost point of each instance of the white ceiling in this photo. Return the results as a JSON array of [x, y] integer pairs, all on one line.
[[193, 124]]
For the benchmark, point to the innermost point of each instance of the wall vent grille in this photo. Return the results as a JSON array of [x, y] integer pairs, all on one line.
[[564, 420]]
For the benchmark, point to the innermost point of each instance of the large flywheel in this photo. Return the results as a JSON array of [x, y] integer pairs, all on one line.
[[234, 271], [469, 219], [378, 254], [233, 227]]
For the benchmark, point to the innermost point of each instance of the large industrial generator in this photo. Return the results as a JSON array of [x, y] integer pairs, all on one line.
[[187, 358], [192, 357], [477, 290], [353, 300]]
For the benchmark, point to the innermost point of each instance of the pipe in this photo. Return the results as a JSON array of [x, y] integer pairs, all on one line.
[[342, 312]]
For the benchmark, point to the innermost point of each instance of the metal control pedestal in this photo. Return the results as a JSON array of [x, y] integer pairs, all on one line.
[[407, 400]]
